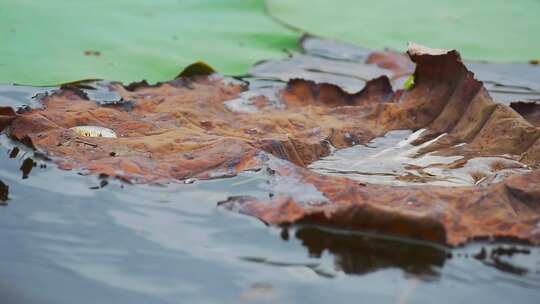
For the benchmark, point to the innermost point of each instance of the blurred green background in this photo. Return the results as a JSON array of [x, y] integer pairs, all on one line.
[[55, 41], [495, 30]]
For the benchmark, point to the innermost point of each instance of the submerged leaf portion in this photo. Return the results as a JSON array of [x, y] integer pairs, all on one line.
[[209, 126]]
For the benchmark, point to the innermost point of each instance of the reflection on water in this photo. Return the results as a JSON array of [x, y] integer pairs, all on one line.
[[362, 254], [22, 97], [69, 238]]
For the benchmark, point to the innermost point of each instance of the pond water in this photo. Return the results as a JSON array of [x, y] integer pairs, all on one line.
[[69, 238]]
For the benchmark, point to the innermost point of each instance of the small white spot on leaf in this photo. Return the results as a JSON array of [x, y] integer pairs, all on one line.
[[94, 131]]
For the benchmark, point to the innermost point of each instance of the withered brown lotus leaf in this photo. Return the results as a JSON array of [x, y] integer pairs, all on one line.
[[207, 126]]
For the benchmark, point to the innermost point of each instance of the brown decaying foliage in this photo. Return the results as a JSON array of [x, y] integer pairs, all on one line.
[[186, 128]]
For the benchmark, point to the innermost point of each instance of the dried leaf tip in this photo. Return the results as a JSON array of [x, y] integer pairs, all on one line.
[[418, 49]]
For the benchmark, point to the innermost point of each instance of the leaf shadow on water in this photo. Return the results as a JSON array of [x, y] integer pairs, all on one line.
[[359, 254]]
